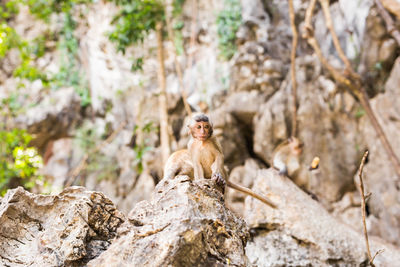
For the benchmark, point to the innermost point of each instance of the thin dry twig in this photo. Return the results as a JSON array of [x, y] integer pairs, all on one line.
[[176, 62], [72, 175], [329, 25], [293, 67], [389, 21], [353, 83], [363, 209]]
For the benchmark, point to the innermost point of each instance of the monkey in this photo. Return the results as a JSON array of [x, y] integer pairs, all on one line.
[[179, 163], [206, 158], [286, 156]]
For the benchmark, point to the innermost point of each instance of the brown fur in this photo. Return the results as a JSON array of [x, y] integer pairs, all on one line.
[[206, 158]]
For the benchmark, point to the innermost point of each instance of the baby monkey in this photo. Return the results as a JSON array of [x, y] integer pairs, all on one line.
[[204, 158], [286, 157]]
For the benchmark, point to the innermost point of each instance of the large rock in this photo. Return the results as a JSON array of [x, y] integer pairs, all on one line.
[[302, 233], [64, 230], [380, 177], [185, 224], [333, 136], [53, 117]]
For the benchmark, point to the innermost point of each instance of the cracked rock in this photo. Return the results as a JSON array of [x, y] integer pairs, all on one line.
[[68, 229]]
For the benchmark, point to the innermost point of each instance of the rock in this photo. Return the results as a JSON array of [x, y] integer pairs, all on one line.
[[254, 69], [53, 117], [185, 224], [68, 229], [302, 233], [329, 136], [380, 177], [231, 136], [245, 176], [57, 159], [244, 105], [349, 26], [387, 51]]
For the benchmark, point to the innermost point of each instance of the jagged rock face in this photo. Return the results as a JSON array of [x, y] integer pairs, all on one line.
[[302, 233], [64, 230], [53, 118], [185, 224], [326, 125], [380, 177]]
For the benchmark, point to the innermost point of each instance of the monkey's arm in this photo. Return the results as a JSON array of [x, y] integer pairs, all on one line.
[[251, 193]]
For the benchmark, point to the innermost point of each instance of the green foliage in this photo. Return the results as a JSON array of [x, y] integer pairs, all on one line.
[[134, 21], [43, 9], [18, 161], [228, 22], [359, 113], [69, 74]]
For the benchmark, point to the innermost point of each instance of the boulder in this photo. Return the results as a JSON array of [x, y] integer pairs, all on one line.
[[68, 229], [301, 232], [185, 224], [380, 177]]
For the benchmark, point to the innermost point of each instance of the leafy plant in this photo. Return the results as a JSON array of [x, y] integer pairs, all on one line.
[[69, 74], [19, 163], [228, 22], [136, 19]]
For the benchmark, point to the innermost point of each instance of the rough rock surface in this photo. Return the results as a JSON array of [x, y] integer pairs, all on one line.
[[329, 136], [380, 178], [302, 233], [53, 117], [64, 230], [185, 224]]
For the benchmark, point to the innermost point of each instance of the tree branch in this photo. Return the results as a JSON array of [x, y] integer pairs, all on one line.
[[353, 83], [389, 21], [293, 67], [164, 133], [178, 69]]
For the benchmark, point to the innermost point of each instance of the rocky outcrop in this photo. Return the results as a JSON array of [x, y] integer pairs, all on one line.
[[64, 230], [53, 118], [380, 177], [185, 224], [302, 233], [329, 136]]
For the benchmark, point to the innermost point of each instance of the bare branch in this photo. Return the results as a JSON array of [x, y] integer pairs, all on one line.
[[363, 210], [329, 25], [176, 62], [389, 21], [164, 133], [293, 67]]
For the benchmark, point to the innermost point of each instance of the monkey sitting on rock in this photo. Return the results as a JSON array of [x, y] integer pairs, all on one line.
[[204, 158]]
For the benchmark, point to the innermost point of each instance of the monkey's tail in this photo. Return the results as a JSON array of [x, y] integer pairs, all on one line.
[[251, 193]]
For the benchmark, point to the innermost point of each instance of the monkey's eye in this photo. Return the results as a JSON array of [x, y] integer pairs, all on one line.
[[198, 126], [207, 126]]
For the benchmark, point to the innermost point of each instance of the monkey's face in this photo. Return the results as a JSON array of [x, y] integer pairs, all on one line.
[[296, 145], [201, 130]]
